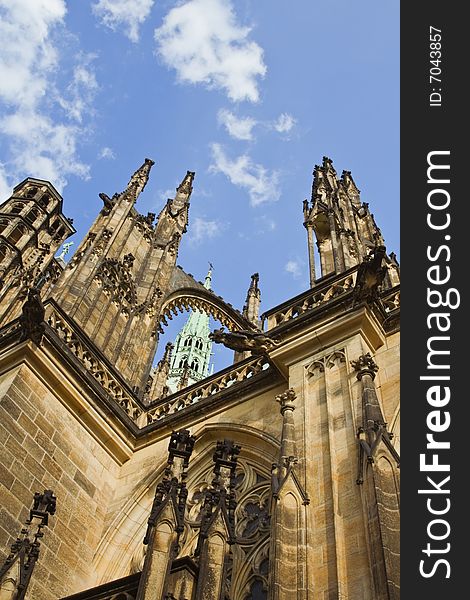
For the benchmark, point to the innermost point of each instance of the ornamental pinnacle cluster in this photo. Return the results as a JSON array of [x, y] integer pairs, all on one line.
[[275, 478]]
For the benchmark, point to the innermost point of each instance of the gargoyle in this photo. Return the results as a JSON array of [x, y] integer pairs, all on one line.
[[108, 202], [370, 275], [32, 318], [241, 341]]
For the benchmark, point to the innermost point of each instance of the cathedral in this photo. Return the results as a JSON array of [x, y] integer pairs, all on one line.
[[276, 478]]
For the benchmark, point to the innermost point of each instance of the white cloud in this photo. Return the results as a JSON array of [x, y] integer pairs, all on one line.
[[265, 224], [203, 42], [106, 153], [5, 188], [262, 185], [294, 268], [201, 229], [238, 128], [80, 92], [40, 126], [284, 123], [123, 14]]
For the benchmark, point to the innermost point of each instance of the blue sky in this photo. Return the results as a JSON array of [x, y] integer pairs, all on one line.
[[249, 94]]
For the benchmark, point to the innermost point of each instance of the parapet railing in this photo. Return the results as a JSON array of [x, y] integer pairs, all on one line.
[[331, 289], [317, 296], [95, 365], [219, 382], [118, 392]]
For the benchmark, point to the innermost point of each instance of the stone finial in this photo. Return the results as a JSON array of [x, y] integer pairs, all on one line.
[[24, 552], [186, 186], [288, 450], [286, 400], [181, 445], [253, 300], [365, 365], [167, 353], [140, 177], [220, 496]]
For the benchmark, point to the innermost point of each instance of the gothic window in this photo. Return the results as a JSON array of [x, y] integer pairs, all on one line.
[[17, 208], [16, 235], [3, 224], [257, 591], [252, 491], [187, 342], [31, 191], [199, 344], [32, 215], [44, 200], [195, 365], [183, 362]]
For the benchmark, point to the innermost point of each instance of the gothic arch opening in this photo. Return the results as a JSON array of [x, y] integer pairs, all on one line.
[[189, 315], [121, 551]]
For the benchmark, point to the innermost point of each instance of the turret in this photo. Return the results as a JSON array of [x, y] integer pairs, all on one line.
[[344, 228], [32, 228]]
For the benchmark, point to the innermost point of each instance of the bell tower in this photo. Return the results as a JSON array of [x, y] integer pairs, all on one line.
[[113, 286], [32, 228], [192, 349]]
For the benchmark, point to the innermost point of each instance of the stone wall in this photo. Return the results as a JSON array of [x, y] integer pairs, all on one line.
[[45, 447]]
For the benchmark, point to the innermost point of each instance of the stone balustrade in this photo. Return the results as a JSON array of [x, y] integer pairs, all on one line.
[[208, 387], [317, 296]]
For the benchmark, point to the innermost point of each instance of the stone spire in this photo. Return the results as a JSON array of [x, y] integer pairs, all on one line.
[[157, 387], [192, 348], [253, 301], [374, 430], [114, 285], [139, 179], [344, 228], [166, 521]]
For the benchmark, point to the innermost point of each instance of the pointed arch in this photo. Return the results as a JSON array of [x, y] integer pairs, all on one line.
[[121, 550], [201, 299]]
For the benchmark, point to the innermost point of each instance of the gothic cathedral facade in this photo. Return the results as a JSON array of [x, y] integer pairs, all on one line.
[[275, 478]]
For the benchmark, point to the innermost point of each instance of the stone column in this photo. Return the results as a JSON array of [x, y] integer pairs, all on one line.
[[288, 515], [217, 531], [311, 254], [378, 492], [166, 521]]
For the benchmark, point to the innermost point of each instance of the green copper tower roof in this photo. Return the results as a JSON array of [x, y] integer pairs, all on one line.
[[192, 349]]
